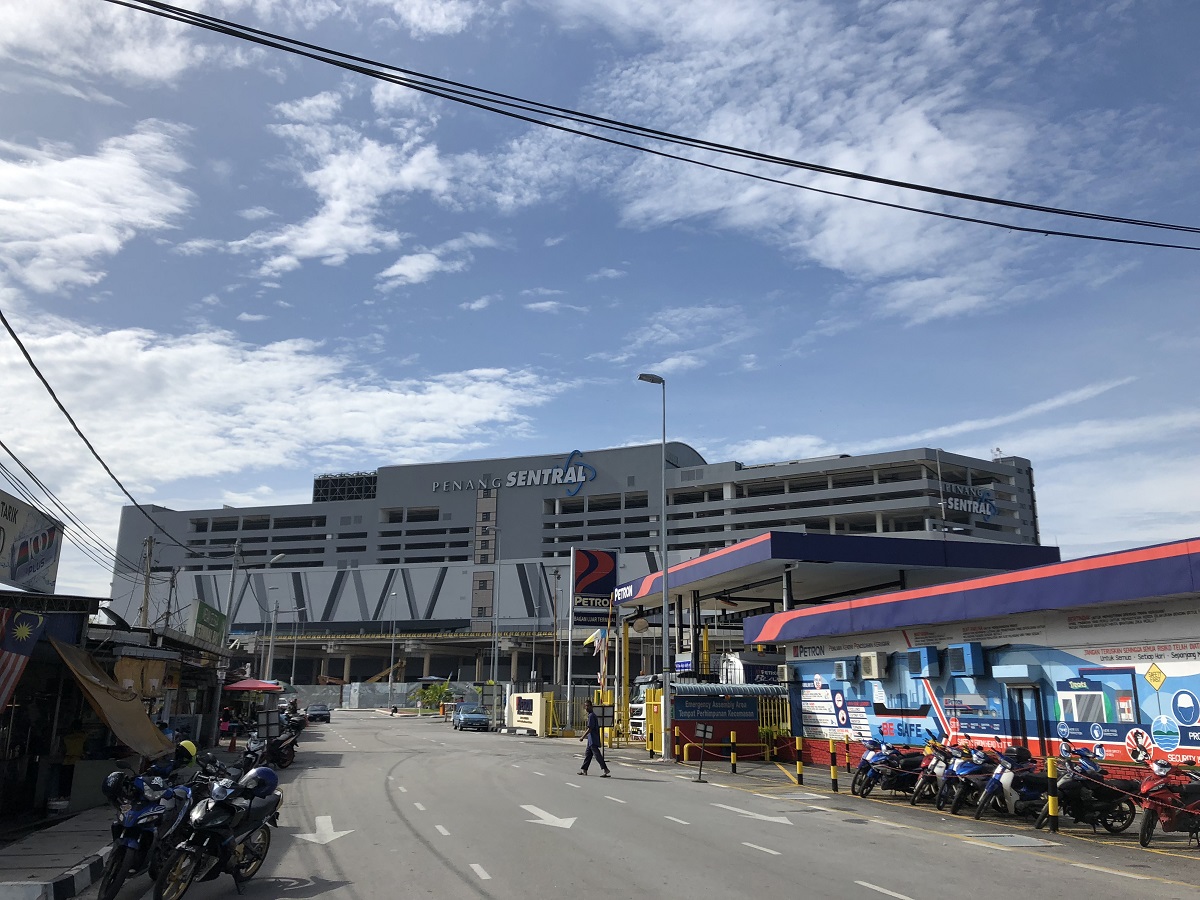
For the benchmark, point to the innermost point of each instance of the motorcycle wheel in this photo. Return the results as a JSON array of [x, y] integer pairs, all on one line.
[[918, 791], [176, 876], [868, 785], [960, 798], [985, 801], [856, 782], [1149, 821], [1040, 822], [1119, 817], [943, 796], [287, 757], [158, 855], [115, 871], [253, 851]]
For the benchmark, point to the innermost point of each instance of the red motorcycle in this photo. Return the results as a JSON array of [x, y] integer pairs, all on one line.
[[1170, 798]]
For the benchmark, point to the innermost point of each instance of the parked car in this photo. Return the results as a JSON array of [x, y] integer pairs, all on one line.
[[318, 712], [470, 715]]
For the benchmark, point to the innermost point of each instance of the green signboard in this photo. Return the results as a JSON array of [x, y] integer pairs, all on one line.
[[210, 624]]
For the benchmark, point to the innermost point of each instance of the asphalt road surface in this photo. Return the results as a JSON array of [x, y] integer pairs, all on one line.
[[380, 807]]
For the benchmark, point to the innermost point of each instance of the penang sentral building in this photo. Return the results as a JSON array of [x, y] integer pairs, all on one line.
[[442, 553]]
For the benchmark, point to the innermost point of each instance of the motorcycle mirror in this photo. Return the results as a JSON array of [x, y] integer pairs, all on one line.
[[1189, 762], [1065, 749]]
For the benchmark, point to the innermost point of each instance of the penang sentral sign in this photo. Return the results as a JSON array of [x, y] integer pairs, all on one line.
[[30, 543], [573, 473]]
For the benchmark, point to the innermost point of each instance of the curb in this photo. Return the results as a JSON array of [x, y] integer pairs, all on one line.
[[69, 884], [525, 732]]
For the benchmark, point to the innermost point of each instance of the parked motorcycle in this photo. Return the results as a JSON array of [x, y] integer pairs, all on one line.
[[973, 775], [948, 786], [150, 810], [274, 752], [1169, 801], [1015, 787], [938, 757], [872, 750], [896, 770], [228, 831], [1086, 795]]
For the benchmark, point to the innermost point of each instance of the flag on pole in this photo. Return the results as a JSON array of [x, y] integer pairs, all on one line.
[[21, 633]]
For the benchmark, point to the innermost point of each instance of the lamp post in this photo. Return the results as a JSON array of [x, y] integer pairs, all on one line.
[[274, 621], [392, 666], [666, 604]]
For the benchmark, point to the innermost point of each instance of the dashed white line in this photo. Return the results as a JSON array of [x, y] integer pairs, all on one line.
[[684, 777], [763, 849], [402, 790], [442, 830], [877, 888], [543, 774], [613, 799], [1111, 871], [419, 806], [821, 808], [879, 820], [480, 871], [680, 821], [515, 766]]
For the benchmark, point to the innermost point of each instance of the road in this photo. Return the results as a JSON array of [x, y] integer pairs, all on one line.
[[405, 808]]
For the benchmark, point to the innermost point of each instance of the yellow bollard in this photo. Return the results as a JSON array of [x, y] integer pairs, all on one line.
[[833, 764], [799, 760], [1052, 801], [733, 752]]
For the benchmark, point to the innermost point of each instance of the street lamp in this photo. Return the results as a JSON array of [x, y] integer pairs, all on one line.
[[392, 667], [274, 620], [666, 605]]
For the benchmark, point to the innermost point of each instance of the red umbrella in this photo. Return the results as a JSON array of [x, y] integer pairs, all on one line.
[[253, 684]]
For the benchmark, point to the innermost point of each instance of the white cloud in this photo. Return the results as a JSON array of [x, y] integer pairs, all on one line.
[[255, 213], [451, 256], [541, 292], [252, 317], [554, 241], [311, 110], [605, 274], [553, 306], [425, 18], [481, 303], [61, 212]]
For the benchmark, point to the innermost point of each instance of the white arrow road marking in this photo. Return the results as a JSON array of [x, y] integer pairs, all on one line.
[[875, 887], [763, 849], [324, 832], [545, 818], [753, 815], [480, 871]]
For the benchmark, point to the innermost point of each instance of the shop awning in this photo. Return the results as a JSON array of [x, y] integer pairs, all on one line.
[[121, 710], [253, 684]]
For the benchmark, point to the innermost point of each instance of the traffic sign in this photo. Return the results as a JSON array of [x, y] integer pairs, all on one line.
[[1155, 676]]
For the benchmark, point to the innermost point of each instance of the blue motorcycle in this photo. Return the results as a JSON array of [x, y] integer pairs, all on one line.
[[972, 776], [874, 751], [893, 770], [1014, 787], [149, 811]]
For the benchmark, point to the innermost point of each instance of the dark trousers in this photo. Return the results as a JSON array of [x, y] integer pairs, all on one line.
[[596, 752]]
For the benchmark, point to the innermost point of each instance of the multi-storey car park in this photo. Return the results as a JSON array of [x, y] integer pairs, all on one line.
[[444, 554]]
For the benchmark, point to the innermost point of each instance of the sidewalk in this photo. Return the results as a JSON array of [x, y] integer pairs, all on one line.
[[63, 860]]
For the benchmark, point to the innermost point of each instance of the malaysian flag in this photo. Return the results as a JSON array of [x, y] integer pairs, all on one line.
[[21, 633]]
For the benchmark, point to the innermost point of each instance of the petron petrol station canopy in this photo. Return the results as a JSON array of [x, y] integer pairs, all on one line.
[[813, 568], [1146, 573]]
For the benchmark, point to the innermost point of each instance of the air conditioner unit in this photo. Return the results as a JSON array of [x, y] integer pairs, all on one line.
[[783, 674], [872, 665], [966, 660], [843, 670], [923, 662]]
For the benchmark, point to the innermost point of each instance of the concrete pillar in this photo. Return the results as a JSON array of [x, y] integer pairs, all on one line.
[[478, 667], [832, 525], [513, 665], [427, 666], [324, 669], [879, 523], [346, 668]]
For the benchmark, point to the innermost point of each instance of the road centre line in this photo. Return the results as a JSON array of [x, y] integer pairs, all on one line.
[[570, 784], [763, 849], [613, 799], [875, 887], [419, 806], [543, 774], [480, 871], [402, 790], [1111, 871], [680, 821], [821, 808]]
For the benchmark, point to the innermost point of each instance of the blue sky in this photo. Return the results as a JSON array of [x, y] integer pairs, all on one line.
[[239, 268]]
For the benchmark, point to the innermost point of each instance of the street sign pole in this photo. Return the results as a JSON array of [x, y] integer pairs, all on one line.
[[704, 732]]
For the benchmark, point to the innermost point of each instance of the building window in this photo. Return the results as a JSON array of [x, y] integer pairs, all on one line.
[[485, 517]]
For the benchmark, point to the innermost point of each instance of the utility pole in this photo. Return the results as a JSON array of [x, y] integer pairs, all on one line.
[[145, 613]]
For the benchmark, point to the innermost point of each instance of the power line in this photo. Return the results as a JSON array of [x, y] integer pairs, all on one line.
[[493, 101]]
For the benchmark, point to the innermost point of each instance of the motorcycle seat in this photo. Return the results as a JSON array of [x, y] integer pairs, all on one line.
[[1191, 792], [911, 763], [261, 807], [1125, 785]]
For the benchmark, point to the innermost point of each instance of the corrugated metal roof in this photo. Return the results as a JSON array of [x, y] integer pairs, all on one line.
[[685, 689]]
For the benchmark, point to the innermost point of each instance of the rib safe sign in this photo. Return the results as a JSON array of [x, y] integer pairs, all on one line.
[[30, 543]]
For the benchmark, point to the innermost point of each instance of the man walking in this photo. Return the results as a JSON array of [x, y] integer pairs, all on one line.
[[593, 741]]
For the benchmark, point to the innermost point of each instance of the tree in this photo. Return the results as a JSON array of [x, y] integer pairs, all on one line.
[[431, 696]]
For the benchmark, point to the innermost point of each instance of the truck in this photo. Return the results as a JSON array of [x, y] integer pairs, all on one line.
[[638, 703]]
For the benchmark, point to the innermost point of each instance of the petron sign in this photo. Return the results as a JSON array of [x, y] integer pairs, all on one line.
[[573, 474], [964, 498]]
